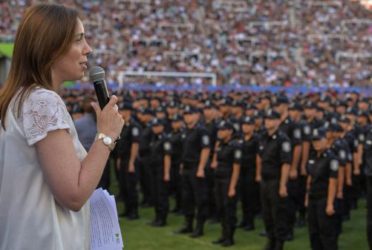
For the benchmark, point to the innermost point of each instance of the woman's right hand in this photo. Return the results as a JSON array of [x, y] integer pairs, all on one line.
[[109, 121]]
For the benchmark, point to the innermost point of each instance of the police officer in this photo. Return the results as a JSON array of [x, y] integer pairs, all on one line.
[[352, 143], [176, 138], [293, 131], [196, 150], [340, 149], [249, 188], [160, 152], [127, 150], [226, 179], [273, 170], [210, 124], [143, 160], [322, 188], [368, 172], [295, 111]]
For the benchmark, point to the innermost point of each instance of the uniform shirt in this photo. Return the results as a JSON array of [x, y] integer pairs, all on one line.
[[228, 154], [308, 127], [212, 131], [130, 134], [236, 122], [177, 146], [321, 169], [341, 149], [144, 141], [249, 154], [160, 146], [368, 150], [292, 130], [352, 141], [196, 139], [274, 150]]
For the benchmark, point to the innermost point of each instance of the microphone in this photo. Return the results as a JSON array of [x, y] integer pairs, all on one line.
[[97, 76]]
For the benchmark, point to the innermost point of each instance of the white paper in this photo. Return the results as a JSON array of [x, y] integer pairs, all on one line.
[[105, 229]]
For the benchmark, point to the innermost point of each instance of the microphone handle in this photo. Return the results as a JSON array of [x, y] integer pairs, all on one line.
[[102, 93]]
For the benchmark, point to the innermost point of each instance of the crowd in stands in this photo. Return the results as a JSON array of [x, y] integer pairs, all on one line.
[[252, 42]]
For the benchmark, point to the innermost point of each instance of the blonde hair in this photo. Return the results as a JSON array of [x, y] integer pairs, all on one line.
[[45, 33]]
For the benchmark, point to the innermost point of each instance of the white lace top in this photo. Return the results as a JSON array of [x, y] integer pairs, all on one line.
[[30, 217]]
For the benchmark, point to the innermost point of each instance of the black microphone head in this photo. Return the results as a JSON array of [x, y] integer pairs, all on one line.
[[96, 73]]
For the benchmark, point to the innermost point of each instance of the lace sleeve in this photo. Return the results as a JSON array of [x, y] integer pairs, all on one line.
[[43, 111]]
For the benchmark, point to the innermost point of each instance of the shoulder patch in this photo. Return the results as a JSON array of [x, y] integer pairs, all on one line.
[[297, 133], [286, 147], [369, 142], [334, 165], [342, 154], [167, 146], [307, 130], [205, 139], [361, 137], [135, 131], [238, 154]]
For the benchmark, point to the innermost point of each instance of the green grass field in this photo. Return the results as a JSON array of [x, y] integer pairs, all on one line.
[[140, 236]]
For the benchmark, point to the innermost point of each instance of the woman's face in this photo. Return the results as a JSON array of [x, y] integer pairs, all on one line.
[[73, 64]]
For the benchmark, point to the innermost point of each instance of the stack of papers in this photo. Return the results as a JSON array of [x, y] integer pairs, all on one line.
[[105, 231]]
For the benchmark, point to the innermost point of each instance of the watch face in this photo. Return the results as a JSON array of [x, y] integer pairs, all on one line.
[[107, 140]]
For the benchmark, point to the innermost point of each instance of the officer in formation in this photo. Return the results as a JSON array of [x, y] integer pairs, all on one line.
[[212, 150], [321, 193], [160, 151], [229, 156]]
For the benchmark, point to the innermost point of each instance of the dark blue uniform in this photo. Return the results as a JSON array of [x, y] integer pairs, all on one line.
[[194, 189], [295, 196], [160, 146], [322, 228], [274, 150], [128, 181], [368, 172], [176, 139], [249, 188], [228, 154]]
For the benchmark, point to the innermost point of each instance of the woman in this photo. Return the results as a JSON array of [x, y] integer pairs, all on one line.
[[321, 193], [46, 176], [229, 156]]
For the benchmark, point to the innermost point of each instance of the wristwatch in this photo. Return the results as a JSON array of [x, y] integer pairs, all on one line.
[[107, 140]]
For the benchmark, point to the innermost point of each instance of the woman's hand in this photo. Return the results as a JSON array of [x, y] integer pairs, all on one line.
[[109, 121]]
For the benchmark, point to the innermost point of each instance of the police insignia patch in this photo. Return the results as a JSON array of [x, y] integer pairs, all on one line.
[[342, 154], [135, 132], [286, 147], [361, 137], [205, 139], [236, 126], [369, 142], [297, 134], [167, 146], [311, 161], [334, 165], [238, 154], [307, 130]]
